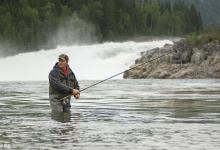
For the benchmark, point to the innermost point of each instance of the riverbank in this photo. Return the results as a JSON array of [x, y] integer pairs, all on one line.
[[185, 61], [154, 38]]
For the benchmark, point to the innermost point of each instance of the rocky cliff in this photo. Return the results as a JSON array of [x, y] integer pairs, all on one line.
[[182, 61]]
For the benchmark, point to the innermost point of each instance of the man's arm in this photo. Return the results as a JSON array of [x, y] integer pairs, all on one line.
[[55, 83], [76, 83], [76, 86]]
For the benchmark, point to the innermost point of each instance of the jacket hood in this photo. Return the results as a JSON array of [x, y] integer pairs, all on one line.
[[56, 67]]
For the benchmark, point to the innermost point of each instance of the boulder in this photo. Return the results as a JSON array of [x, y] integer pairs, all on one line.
[[198, 56], [184, 61]]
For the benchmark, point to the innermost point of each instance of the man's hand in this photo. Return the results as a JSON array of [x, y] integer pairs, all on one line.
[[77, 96], [75, 92]]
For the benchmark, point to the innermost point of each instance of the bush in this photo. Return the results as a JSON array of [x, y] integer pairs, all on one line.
[[206, 36]]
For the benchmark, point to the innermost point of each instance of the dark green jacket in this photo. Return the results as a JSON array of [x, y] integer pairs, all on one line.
[[61, 86]]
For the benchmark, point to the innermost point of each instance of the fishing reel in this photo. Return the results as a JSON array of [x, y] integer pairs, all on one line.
[[65, 101]]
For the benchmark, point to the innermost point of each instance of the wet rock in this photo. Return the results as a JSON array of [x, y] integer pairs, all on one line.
[[198, 56], [179, 60]]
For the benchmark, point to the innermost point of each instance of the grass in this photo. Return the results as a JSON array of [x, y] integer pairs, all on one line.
[[205, 36]]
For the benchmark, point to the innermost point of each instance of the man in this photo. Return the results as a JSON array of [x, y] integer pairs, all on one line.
[[62, 85]]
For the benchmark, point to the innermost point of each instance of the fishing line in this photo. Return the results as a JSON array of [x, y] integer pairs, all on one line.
[[171, 51]]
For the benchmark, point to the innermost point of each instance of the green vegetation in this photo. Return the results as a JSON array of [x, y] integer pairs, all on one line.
[[30, 24], [207, 35]]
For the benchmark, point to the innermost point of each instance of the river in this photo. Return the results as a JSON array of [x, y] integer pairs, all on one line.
[[117, 114]]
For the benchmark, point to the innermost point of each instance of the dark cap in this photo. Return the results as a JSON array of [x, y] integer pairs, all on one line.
[[64, 57]]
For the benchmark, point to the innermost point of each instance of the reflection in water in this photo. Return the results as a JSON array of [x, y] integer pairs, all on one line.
[[185, 108]]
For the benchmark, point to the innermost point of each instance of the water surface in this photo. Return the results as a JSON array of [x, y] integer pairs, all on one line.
[[118, 114]]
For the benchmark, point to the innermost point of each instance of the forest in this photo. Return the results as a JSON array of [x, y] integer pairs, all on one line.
[[30, 24]]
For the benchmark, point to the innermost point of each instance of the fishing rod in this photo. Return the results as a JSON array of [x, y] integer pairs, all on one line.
[[123, 72], [169, 52]]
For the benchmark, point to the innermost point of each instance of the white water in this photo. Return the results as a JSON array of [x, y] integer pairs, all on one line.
[[89, 62]]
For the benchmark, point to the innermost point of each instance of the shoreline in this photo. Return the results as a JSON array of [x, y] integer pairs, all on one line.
[[155, 38], [87, 80]]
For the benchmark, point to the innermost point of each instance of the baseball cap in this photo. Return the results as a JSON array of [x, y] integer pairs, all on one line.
[[64, 57]]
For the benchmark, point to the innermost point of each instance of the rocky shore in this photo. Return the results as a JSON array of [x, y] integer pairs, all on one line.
[[184, 61]]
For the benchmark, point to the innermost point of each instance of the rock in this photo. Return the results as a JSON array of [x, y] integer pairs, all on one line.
[[185, 61], [182, 52], [159, 74], [186, 73], [198, 56]]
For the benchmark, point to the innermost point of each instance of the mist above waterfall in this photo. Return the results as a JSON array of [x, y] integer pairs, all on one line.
[[73, 30], [89, 62]]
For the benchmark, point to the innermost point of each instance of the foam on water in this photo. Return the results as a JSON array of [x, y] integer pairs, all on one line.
[[89, 62]]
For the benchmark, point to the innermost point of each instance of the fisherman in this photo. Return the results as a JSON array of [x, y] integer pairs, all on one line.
[[62, 85]]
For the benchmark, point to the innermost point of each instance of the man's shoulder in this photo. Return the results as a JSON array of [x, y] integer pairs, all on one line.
[[71, 71], [72, 74], [54, 71]]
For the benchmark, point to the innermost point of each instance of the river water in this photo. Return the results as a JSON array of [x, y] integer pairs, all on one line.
[[118, 114]]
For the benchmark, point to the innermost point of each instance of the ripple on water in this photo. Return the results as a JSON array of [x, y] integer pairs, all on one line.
[[118, 114]]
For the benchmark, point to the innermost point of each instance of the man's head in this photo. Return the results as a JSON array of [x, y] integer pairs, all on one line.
[[63, 60]]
